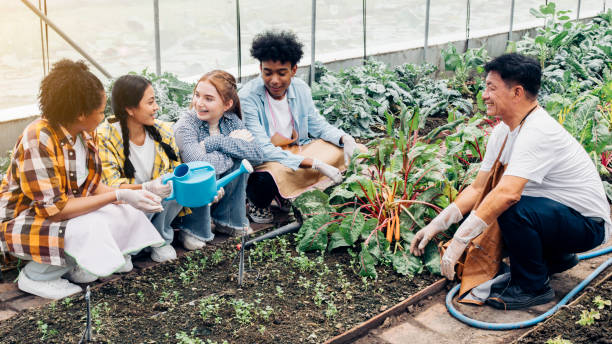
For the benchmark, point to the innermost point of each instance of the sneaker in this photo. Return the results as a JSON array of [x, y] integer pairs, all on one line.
[[565, 262], [514, 297], [55, 289], [260, 215], [283, 204], [163, 253], [190, 242], [78, 275], [234, 231], [128, 266]]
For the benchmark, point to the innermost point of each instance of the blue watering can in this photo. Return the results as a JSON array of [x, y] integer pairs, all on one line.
[[194, 184]]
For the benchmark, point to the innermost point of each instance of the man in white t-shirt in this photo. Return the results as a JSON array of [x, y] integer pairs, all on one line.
[[549, 203]]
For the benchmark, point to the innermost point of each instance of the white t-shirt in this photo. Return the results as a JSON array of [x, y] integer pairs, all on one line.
[[282, 116], [143, 158], [555, 164], [80, 156]]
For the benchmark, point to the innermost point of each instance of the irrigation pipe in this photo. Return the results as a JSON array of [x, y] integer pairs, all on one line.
[[511, 326]]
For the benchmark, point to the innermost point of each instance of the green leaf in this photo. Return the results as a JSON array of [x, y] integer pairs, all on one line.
[[314, 233], [431, 258], [337, 238], [351, 227], [367, 263], [368, 227], [340, 194], [312, 202], [405, 263]]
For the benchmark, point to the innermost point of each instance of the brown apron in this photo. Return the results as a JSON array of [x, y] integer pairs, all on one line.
[[481, 260]]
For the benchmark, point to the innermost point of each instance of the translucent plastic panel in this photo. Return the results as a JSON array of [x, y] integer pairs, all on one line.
[[590, 8], [118, 34], [522, 17], [489, 16], [20, 55], [447, 20], [198, 36], [394, 24], [339, 28]]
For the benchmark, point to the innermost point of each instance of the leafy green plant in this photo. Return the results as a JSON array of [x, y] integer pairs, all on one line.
[[467, 69], [242, 310], [5, 162], [44, 330], [209, 308], [587, 318], [601, 303], [558, 340]]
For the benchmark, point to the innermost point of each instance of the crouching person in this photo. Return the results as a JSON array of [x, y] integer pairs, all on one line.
[[54, 211], [136, 150]]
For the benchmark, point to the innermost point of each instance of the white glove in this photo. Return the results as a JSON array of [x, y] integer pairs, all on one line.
[[328, 170], [349, 148], [242, 134], [155, 186], [440, 223], [218, 197], [469, 229], [140, 199]]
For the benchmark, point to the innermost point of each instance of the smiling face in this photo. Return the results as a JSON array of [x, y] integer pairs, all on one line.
[[277, 77], [208, 103], [144, 114], [498, 96]]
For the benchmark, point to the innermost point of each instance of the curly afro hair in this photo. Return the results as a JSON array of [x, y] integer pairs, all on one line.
[[68, 91], [280, 46]]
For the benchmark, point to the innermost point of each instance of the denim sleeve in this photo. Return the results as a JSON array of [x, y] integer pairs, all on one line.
[[235, 148], [252, 121], [186, 136]]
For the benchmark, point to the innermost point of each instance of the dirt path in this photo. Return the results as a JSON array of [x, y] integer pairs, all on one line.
[[430, 322]]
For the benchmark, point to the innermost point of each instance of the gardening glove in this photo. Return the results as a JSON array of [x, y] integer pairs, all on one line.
[[349, 148], [440, 223], [242, 134], [469, 229], [157, 187], [140, 199], [220, 194], [328, 170]]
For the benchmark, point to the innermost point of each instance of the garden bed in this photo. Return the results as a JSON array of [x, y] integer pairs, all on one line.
[[286, 298], [583, 321]]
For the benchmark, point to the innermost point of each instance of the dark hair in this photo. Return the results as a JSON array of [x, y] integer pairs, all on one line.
[[127, 93], [225, 84], [69, 91], [280, 46], [518, 69]]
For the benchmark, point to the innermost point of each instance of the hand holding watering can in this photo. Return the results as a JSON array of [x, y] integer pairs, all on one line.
[[194, 184]]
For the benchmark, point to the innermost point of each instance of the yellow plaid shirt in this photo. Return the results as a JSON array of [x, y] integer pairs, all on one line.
[[110, 146], [37, 186]]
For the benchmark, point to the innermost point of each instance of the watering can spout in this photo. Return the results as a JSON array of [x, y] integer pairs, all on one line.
[[245, 167]]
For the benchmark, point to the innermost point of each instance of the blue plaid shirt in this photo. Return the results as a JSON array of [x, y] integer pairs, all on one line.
[[221, 150]]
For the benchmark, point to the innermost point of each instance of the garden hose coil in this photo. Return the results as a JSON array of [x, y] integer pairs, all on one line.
[[511, 326]]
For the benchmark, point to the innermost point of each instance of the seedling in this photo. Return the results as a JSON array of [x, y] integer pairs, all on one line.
[[558, 340], [243, 311], [43, 328], [587, 318], [279, 291], [67, 302], [331, 310], [217, 257], [600, 302]]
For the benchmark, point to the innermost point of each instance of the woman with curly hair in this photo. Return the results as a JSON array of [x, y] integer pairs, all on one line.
[[54, 211], [136, 150]]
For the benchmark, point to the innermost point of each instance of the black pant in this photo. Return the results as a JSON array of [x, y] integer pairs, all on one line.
[[261, 189], [536, 230]]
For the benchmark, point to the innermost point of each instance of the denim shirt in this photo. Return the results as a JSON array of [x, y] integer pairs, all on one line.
[[308, 122], [222, 151]]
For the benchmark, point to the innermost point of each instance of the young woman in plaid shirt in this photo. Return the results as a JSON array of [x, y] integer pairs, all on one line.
[[136, 150], [54, 211], [212, 131]]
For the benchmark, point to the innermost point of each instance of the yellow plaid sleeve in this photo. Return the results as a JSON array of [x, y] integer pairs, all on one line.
[[110, 149]]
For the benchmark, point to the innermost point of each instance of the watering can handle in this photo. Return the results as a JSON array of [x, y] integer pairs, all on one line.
[[165, 178], [245, 167]]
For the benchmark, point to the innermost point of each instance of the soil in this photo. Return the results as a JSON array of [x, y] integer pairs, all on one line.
[[564, 323], [285, 298]]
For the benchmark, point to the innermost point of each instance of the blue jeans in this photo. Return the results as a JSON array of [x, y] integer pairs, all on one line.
[[230, 211], [162, 220], [536, 230]]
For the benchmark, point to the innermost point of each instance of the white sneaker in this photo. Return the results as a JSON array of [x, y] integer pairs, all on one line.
[[55, 289], [78, 275], [234, 231], [163, 253], [128, 266], [190, 242]]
